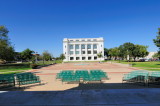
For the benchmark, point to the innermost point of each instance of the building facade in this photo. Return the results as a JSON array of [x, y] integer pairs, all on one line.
[[83, 49], [150, 55]]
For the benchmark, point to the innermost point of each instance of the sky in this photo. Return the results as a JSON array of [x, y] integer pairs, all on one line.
[[42, 24]]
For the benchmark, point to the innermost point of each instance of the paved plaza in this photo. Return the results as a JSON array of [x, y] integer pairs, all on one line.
[[110, 92], [49, 83]]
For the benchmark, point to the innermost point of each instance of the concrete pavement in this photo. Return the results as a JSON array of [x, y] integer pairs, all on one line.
[[123, 97]]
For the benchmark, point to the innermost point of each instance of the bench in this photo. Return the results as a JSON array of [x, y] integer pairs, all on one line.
[[27, 78]]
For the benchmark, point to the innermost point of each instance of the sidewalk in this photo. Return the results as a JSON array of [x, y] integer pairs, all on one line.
[[122, 97]]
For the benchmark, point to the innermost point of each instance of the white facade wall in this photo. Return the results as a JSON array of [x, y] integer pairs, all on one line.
[[150, 55], [67, 50]]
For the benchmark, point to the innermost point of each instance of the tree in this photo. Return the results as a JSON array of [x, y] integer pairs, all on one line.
[[122, 52], [62, 57], [156, 55], [46, 55], [114, 52], [157, 40], [106, 52], [3, 32], [139, 51], [27, 54], [6, 49], [99, 55], [126, 49]]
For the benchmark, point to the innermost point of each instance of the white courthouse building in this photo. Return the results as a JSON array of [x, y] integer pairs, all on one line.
[[83, 49]]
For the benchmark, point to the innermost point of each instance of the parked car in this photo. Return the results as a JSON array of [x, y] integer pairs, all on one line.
[[141, 60]]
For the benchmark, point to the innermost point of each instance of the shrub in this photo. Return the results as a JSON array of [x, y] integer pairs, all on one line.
[[34, 66]]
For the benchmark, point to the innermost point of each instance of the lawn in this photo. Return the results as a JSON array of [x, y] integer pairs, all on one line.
[[48, 62], [151, 66], [146, 64], [21, 67], [14, 68]]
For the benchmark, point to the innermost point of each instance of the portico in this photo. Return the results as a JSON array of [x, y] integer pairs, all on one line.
[[83, 49]]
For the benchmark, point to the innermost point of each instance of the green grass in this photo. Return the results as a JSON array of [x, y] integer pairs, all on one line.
[[21, 67], [12, 72], [13, 68], [45, 62], [147, 64], [151, 66], [59, 61], [150, 69], [144, 64], [48, 62]]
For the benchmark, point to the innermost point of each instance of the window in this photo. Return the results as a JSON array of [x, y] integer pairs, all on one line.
[[65, 52], [89, 40], [83, 52], [71, 52], [95, 52], [71, 58], [71, 46], [83, 46], [88, 46], [94, 46], [83, 58], [71, 40], [77, 52], [77, 40], [89, 52], [83, 40], [94, 39], [89, 58], [65, 46], [77, 58], [95, 58], [77, 47]]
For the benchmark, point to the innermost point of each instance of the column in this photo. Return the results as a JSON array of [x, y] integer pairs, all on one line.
[[80, 52], [86, 54], [74, 52], [91, 49], [67, 52], [92, 56]]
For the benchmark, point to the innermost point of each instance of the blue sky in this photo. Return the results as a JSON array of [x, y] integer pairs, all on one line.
[[42, 24]]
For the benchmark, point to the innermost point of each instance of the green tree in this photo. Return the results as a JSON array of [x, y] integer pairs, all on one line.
[[99, 55], [157, 40], [27, 54], [126, 49], [47, 56], [106, 52], [156, 55], [114, 53], [6, 49], [122, 52], [139, 51], [62, 57]]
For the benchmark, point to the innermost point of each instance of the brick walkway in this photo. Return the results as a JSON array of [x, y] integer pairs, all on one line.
[[49, 83]]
